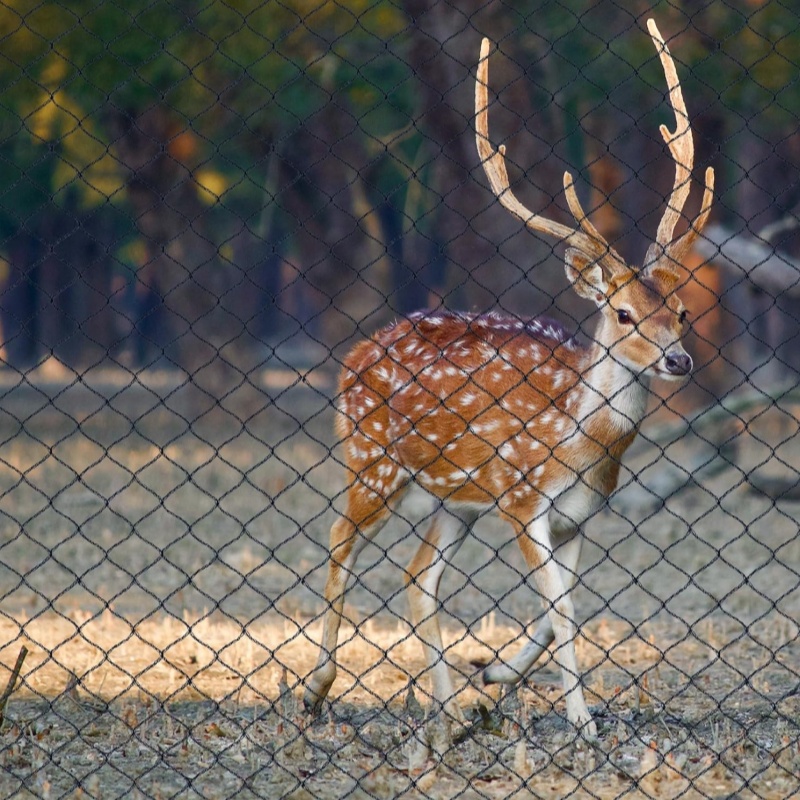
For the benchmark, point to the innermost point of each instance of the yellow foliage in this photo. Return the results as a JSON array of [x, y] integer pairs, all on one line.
[[85, 159], [211, 184]]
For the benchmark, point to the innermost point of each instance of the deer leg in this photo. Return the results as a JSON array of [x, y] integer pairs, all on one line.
[[537, 548], [567, 555], [443, 538], [349, 535]]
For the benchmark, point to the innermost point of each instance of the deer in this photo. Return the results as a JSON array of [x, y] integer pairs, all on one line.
[[493, 412]]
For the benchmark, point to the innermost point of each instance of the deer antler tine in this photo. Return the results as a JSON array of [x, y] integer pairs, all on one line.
[[585, 224], [681, 147], [679, 249], [680, 142], [485, 149]]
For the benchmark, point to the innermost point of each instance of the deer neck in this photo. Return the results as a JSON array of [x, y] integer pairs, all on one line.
[[614, 398]]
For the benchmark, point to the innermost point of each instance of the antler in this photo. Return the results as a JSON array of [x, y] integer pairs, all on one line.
[[586, 238], [681, 146]]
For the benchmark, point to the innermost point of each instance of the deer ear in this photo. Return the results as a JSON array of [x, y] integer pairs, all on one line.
[[586, 276]]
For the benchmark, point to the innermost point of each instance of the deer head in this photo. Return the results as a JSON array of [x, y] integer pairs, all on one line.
[[642, 317]]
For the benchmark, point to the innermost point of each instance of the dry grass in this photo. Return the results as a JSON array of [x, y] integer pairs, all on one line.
[[164, 578], [198, 702]]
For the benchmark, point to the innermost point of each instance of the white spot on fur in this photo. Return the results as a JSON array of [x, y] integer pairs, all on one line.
[[507, 451]]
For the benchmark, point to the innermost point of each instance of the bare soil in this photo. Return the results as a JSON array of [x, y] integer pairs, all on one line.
[[162, 556]]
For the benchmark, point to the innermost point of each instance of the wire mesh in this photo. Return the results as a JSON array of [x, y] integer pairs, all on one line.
[[207, 209]]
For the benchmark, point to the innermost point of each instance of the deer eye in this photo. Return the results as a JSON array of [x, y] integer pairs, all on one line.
[[624, 317]]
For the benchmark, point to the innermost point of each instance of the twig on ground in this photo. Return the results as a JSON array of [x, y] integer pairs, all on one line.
[[12, 682]]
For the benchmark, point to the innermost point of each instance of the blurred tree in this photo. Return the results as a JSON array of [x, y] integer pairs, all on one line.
[[174, 113]]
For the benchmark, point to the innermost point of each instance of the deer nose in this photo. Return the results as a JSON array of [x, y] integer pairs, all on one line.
[[678, 363]]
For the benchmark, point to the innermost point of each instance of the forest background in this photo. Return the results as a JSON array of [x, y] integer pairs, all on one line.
[[191, 183]]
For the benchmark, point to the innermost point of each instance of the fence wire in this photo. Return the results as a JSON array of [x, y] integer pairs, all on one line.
[[256, 285]]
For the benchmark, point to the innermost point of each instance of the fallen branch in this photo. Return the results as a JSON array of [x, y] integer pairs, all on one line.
[[749, 258], [727, 408], [12, 682]]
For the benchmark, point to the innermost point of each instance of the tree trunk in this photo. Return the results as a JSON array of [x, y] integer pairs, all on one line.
[[18, 301], [336, 278], [182, 264], [489, 258]]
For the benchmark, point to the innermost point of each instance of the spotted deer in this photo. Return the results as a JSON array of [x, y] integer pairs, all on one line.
[[490, 411]]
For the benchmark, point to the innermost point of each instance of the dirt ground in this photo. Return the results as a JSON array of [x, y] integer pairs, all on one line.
[[162, 556]]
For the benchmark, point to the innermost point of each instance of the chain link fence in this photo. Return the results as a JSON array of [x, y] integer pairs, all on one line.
[[203, 208]]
